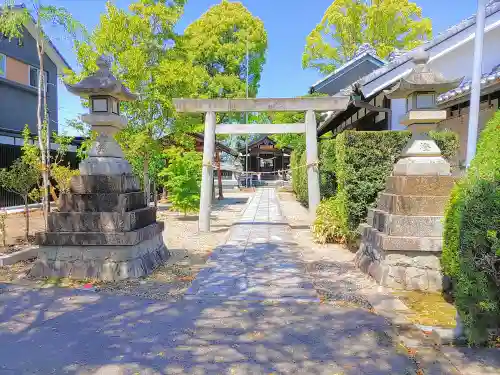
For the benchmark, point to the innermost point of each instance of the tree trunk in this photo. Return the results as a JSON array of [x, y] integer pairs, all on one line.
[[41, 138], [219, 175], [27, 218], [146, 181], [47, 139], [155, 194], [164, 194]]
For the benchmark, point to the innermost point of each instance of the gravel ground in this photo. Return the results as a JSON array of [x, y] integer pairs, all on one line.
[[331, 266], [188, 247], [189, 251]]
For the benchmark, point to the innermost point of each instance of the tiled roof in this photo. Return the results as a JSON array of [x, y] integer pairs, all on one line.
[[491, 8], [464, 88], [366, 49]]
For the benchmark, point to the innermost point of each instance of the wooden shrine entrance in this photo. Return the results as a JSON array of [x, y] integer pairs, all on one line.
[[211, 106]]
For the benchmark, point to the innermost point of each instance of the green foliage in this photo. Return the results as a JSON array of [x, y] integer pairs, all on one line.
[[218, 41], [327, 165], [62, 175], [183, 178], [3, 230], [20, 179], [471, 238], [364, 161], [448, 142], [354, 168], [330, 224], [346, 24]]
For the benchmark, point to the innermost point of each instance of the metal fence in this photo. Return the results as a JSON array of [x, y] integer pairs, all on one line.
[[9, 153]]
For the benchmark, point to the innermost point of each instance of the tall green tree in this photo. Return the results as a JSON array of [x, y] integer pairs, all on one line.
[[12, 22], [218, 41], [346, 24], [144, 48], [183, 178]]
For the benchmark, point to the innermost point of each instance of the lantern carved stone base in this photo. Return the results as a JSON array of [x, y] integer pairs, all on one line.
[[402, 239], [109, 263], [103, 230]]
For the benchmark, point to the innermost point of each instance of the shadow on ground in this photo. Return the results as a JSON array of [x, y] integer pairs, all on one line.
[[80, 333]]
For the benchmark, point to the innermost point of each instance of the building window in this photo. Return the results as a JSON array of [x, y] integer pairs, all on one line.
[[226, 175], [3, 65], [33, 72], [266, 161]]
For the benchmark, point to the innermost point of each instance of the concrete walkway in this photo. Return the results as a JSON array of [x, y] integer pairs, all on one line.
[[250, 311], [259, 261]]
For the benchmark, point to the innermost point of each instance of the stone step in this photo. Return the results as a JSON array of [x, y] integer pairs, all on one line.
[[101, 221], [101, 202], [99, 238], [414, 205], [104, 184], [402, 225], [388, 243], [420, 185]]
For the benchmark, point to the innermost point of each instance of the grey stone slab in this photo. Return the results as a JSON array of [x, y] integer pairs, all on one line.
[[420, 185], [99, 238], [109, 263], [408, 226], [101, 202], [101, 221], [104, 184]]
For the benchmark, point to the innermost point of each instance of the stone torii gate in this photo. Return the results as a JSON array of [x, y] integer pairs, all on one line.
[[211, 106]]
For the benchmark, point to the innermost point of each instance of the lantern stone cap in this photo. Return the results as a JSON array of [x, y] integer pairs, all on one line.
[[423, 117], [422, 79], [102, 82]]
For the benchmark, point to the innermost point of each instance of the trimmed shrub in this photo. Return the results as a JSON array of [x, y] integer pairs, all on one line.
[[354, 168], [327, 165], [471, 253], [364, 161], [330, 224]]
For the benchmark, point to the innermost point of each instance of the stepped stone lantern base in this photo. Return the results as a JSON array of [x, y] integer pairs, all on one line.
[[401, 242], [103, 229]]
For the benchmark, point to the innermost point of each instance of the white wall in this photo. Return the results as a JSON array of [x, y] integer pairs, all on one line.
[[458, 62], [398, 107], [455, 60]]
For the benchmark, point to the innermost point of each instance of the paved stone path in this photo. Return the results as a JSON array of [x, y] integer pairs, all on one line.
[[250, 311], [258, 261]]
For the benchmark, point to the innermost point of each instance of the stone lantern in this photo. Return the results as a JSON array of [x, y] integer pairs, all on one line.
[[420, 88], [103, 229], [402, 240]]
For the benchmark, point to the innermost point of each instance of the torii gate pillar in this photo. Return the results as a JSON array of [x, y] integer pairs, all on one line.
[[207, 174], [313, 190], [211, 106]]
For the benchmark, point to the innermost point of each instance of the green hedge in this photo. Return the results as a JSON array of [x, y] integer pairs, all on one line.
[[328, 179], [353, 170], [471, 246]]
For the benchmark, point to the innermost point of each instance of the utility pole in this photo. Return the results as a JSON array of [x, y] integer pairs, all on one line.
[[475, 97], [246, 117]]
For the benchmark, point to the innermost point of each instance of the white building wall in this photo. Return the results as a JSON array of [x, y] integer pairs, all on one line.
[[454, 59]]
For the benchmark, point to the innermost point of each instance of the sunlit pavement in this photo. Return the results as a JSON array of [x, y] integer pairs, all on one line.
[[252, 310]]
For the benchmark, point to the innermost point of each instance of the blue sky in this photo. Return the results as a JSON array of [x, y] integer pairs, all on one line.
[[287, 22]]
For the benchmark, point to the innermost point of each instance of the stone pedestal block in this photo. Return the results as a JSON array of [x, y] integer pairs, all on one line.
[[103, 230], [402, 240], [101, 202], [109, 263]]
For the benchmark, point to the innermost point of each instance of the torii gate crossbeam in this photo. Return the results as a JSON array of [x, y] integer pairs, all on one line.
[[211, 106]]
